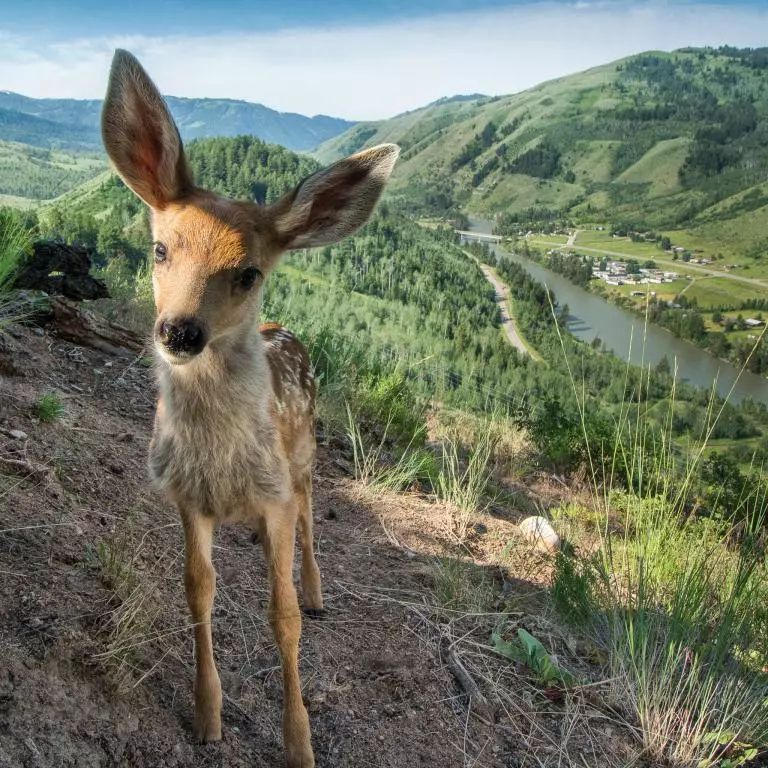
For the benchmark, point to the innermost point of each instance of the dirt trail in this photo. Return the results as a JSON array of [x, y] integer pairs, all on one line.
[[501, 294], [501, 290]]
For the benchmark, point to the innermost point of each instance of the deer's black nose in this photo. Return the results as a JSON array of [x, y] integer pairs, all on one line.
[[183, 336]]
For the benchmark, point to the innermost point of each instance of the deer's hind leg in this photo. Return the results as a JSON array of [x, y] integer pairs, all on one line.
[[278, 539], [311, 590]]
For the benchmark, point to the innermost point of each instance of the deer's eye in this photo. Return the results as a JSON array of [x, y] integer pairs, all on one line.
[[248, 277], [161, 253]]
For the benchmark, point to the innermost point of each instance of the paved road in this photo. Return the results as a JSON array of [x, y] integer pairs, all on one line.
[[501, 291], [679, 266]]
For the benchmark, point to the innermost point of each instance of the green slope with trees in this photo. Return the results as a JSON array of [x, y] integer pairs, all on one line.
[[403, 296], [675, 141]]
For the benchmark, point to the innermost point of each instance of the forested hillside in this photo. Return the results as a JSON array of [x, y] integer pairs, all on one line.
[[35, 173], [74, 123], [658, 140], [401, 296]]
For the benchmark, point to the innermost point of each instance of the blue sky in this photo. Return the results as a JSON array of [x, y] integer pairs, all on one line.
[[352, 59], [194, 16]]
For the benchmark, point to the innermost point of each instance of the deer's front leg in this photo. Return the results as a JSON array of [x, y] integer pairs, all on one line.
[[279, 533], [200, 585]]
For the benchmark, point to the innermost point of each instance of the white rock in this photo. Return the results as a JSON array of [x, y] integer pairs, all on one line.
[[17, 434], [538, 531]]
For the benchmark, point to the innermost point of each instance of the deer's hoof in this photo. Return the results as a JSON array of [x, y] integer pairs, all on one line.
[[300, 758], [315, 613], [208, 729]]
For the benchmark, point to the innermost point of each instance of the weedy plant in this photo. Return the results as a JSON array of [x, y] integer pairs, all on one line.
[[527, 650], [15, 244], [463, 482], [133, 613]]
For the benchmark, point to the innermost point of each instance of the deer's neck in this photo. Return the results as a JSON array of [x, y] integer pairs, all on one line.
[[228, 378], [215, 440]]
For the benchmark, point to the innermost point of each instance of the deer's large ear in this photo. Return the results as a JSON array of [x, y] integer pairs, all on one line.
[[140, 136], [334, 202]]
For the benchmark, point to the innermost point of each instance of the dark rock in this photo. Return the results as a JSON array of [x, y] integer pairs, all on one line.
[[61, 270]]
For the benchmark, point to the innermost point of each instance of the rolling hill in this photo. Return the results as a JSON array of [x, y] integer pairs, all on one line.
[[74, 123], [29, 173], [658, 140]]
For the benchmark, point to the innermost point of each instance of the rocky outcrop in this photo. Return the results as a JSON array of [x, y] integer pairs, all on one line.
[[61, 270]]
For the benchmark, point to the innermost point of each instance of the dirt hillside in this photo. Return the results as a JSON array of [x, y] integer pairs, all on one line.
[[95, 641]]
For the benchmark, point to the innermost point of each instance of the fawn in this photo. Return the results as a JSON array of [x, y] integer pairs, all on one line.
[[234, 435]]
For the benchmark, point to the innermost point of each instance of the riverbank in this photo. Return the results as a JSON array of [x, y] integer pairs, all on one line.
[[631, 338], [742, 350]]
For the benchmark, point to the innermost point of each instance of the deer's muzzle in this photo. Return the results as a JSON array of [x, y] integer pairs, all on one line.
[[184, 337]]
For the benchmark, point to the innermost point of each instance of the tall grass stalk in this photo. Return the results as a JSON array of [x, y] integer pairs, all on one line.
[[677, 600], [15, 244], [462, 484]]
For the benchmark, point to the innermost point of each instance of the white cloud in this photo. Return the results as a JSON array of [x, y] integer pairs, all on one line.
[[378, 70]]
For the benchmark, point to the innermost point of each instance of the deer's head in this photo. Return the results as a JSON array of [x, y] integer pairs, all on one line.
[[213, 254]]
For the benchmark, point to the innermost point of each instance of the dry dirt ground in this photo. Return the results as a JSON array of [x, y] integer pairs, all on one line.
[[95, 643]]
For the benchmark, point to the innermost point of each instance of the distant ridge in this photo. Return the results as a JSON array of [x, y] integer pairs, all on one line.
[[74, 123], [457, 98]]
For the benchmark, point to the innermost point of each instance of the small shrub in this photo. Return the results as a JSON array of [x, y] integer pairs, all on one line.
[[49, 408], [388, 399], [130, 286], [379, 464]]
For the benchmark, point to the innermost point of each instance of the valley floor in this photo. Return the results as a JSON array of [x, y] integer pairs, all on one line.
[[96, 643]]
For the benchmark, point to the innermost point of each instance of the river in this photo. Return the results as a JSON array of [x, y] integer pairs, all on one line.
[[621, 331]]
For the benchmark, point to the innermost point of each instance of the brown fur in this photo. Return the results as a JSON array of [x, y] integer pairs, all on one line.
[[234, 429]]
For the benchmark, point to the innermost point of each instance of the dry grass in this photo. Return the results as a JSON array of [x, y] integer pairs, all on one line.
[[511, 447], [135, 618]]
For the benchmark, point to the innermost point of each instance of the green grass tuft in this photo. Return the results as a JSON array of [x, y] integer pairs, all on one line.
[[49, 408], [677, 600]]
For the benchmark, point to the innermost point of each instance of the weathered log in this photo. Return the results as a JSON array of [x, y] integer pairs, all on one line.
[[82, 326]]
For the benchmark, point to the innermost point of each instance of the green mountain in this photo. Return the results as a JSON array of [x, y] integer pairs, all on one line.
[[74, 123], [657, 140]]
